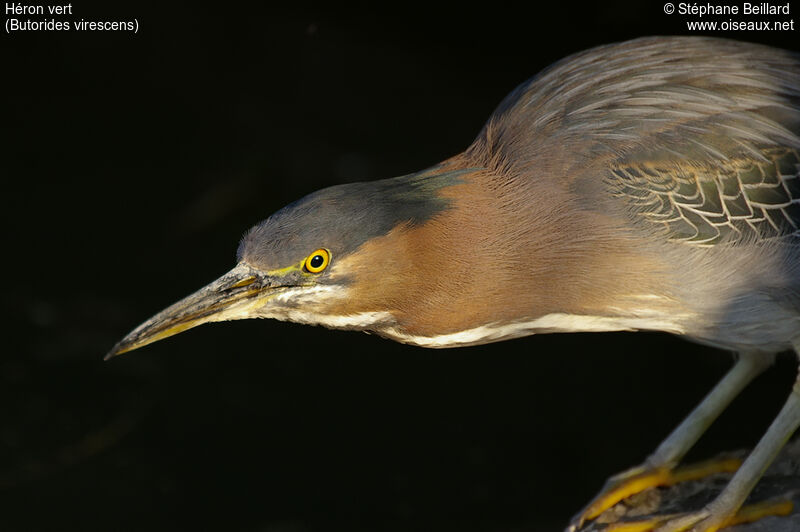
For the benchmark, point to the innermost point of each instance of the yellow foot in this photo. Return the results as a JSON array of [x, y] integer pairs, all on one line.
[[703, 521], [640, 479]]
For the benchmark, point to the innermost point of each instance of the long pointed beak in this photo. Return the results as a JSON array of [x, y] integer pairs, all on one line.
[[235, 295]]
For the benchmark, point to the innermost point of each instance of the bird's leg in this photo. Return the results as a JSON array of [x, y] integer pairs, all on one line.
[[683, 438], [657, 470], [722, 510]]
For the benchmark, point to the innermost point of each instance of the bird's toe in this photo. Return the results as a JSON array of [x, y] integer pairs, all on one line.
[[642, 478], [705, 520]]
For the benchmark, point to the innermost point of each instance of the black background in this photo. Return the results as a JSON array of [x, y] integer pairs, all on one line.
[[131, 167]]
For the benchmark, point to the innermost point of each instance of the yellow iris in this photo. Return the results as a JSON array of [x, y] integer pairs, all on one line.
[[318, 261]]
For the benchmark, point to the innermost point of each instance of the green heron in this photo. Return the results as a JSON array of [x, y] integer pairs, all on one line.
[[646, 185]]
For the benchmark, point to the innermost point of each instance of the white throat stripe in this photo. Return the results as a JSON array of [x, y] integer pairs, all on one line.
[[549, 323]]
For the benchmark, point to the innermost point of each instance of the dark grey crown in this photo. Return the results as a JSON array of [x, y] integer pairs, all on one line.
[[341, 218]]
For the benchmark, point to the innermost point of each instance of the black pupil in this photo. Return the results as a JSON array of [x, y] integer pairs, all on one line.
[[317, 261]]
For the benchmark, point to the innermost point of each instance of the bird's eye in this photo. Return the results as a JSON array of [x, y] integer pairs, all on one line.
[[318, 261]]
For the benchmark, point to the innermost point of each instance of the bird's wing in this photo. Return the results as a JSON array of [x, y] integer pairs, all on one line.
[[698, 134], [707, 204]]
